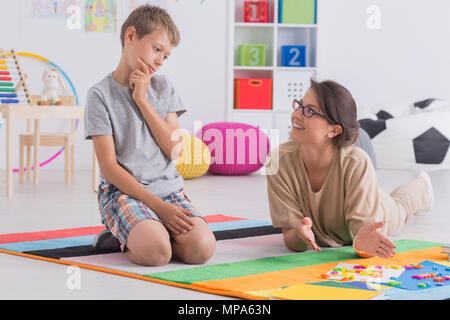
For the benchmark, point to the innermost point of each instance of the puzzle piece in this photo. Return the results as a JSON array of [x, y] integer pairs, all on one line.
[[364, 272], [429, 271]]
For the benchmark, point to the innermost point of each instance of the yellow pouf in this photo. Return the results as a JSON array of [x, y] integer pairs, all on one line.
[[195, 158]]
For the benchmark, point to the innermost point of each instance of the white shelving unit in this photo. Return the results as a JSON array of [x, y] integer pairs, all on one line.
[[296, 79]]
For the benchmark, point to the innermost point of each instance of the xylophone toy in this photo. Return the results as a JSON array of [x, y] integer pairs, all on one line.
[[12, 80]]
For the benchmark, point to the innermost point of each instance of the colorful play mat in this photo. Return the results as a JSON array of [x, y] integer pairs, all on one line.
[[251, 262]]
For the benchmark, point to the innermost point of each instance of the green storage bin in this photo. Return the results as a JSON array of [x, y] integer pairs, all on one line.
[[297, 11], [252, 55]]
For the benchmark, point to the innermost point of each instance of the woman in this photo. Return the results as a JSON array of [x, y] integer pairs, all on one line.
[[325, 192]]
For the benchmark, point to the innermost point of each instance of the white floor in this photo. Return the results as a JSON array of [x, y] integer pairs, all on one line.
[[54, 205]]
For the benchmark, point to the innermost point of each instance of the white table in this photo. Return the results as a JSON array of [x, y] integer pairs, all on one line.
[[12, 112]]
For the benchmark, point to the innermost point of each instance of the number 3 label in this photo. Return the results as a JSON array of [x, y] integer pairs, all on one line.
[[254, 60]]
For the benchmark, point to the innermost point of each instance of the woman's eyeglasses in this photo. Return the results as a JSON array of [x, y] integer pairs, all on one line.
[[307, 111]]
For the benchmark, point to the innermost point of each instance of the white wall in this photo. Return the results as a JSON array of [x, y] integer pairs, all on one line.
[[405, 60], [196, 66]]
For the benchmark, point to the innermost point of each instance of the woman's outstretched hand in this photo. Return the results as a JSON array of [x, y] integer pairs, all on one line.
[[372, 242], [304, 231]]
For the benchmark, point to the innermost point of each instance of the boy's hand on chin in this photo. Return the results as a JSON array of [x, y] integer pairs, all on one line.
[[139, 82]]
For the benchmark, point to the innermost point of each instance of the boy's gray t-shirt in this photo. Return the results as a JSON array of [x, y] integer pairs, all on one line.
[[111, 110]]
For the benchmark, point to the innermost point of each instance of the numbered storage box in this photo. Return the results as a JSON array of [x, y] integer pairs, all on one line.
[[293, 56], [252, 55], [256, 11], [297, 11], [252, 93]]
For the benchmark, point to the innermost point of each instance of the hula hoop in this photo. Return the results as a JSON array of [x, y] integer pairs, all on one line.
[[35, 56]]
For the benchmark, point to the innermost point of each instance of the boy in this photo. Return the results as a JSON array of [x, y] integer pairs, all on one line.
[[130, 117]]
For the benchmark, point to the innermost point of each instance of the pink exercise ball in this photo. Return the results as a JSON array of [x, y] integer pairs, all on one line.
[[236, 148]]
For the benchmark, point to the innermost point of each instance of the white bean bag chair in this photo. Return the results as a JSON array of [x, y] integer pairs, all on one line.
[[411, 137]]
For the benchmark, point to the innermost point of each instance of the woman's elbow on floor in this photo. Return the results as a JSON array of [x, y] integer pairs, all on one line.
[[297, 246]]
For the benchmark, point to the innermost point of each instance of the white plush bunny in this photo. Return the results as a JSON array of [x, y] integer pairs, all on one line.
[[52, 80]]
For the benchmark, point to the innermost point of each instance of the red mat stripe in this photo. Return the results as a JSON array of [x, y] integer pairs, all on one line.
[[221, 218], [53, 234], [78, 232]]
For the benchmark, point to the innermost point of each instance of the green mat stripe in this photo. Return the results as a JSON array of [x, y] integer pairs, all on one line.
[[278, 263]]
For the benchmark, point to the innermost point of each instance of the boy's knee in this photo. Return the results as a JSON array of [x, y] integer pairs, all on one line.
[[154, 255], [158, 259], [200, 251], [206, 250]]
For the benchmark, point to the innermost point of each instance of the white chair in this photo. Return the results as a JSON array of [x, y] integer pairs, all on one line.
[[62, 139]]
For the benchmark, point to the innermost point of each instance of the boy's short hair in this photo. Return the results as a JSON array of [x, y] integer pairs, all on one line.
[[146, 19]]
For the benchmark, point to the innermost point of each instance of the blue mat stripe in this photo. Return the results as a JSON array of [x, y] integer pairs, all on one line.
[[238, 224], [48, 244], [435, 293], [87, 240]]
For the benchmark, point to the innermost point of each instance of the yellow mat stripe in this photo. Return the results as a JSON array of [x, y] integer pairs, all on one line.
[[277, 279]]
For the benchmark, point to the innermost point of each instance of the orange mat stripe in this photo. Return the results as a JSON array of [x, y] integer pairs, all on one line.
[[237, 287], [278, 279], [135, 276]]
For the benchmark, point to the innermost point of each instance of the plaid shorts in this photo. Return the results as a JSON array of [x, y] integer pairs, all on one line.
[[120, 212]]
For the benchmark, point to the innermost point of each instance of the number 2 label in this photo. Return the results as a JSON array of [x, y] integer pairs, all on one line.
[[296, 55]]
